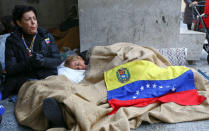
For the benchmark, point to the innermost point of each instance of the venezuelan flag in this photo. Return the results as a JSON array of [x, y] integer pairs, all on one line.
[[140, 83], [47, 40]]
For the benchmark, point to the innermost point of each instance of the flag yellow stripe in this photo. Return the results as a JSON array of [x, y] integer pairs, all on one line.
[[142, 70]]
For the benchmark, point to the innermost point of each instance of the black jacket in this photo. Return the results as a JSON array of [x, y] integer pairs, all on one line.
[[17, 64]]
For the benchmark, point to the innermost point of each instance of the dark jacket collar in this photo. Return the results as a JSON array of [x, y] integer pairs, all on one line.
[[41, 31], [17, 34]]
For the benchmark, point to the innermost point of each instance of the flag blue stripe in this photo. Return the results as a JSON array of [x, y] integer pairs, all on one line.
[[153, 88]]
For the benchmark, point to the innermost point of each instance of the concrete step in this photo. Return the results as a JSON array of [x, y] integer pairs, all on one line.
[[193, 41]]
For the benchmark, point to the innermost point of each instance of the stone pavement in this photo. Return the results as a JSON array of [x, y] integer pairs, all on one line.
[[9, 122], [201, 64]]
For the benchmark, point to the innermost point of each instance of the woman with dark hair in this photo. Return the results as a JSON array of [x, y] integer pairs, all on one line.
[[31, 52]]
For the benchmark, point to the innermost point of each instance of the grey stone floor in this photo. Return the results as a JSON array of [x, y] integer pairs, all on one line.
[[202, 64], [9, 122]]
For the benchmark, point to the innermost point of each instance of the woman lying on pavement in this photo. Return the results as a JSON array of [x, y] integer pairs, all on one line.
[[74, 69]]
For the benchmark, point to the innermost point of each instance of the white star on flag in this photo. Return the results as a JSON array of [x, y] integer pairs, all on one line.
[[134, 97], [173, 89], [160, 86], [142, 87], [137, 92], [154, 85], [148, 86]]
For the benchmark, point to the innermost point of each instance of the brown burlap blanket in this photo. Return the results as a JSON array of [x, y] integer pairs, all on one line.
[[85, 106]]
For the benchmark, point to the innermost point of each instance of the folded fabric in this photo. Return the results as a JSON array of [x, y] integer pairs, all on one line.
[[140, 83], [203, 74], [75, 76]]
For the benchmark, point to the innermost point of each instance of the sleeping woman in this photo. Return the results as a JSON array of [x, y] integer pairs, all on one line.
[[73, 68]]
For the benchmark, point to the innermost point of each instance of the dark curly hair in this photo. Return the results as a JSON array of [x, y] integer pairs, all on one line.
[[19, 10]]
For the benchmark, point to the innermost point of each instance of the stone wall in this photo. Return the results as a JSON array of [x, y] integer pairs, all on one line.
[[152, 23]]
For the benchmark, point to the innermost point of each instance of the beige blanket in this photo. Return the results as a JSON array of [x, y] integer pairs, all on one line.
[[85, 105]]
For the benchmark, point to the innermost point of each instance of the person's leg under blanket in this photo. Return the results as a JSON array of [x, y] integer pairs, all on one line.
[[53, 113], [58, 115]]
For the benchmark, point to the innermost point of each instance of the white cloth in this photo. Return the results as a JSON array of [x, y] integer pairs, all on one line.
[[75, 76]]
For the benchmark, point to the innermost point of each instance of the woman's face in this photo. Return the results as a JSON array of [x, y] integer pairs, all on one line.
[[77, 65], [28, 23]]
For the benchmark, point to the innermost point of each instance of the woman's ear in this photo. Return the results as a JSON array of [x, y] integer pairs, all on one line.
[[18, 23]]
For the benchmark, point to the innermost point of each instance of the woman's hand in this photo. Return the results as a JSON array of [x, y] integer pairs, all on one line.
[[193, 3], [37, 60]]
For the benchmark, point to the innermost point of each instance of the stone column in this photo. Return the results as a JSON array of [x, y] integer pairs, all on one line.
[[152, 23]]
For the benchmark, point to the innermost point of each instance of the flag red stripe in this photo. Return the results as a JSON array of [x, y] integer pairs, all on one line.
[[190, 97]]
